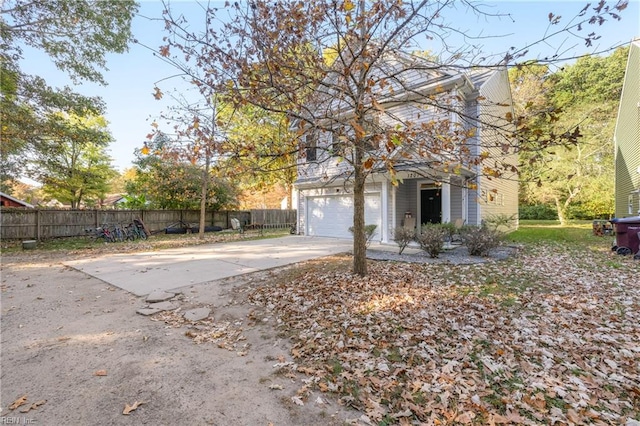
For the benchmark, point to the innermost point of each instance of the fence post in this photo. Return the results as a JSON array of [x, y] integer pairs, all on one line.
[[95, 212], [38, 220]]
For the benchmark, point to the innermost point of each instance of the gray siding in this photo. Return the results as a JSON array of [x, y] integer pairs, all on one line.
[[406, 200], [456, 201], [498, 196], [627, 139]]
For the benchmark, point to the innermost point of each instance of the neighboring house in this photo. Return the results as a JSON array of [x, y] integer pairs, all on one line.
[[7, 200], [112, 201], [627, 140], [423, 193]]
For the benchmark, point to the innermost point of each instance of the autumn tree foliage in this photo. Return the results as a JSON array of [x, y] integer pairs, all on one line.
[[259, 147], [575, 179], [77, 36], [273, 56], [73, 164], [165, 179]]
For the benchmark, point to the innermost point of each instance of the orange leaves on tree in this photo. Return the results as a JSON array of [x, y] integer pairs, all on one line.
[[368, 164], [509, 117], [360, 131], [377, 105], [157, 93], [164, 51]]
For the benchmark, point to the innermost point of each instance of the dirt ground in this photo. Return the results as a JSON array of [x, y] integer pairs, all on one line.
[[77, 351]]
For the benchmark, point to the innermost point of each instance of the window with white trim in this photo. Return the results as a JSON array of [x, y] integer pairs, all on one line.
[[337, 146], [311, 145]]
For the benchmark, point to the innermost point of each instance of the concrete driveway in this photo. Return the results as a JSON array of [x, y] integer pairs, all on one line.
[[142, 273]]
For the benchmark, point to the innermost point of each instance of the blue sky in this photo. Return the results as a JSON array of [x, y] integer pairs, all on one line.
[[131, 106]]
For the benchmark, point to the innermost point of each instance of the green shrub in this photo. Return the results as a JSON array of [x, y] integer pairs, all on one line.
[[449, 230], [500, 222], [403, 236], [480, 240], [538, 212], [369, 232], [431, 238]]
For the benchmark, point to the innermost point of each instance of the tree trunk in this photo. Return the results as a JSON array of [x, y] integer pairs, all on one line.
[[359, 239], [289, 189], [561, 212], [203, 196]]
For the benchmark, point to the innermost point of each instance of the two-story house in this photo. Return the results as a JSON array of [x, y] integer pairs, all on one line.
[[422, 186], [627, 140]]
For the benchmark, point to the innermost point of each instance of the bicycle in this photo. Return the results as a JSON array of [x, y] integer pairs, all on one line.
[[102, 232], [118, 233], [135, 230]]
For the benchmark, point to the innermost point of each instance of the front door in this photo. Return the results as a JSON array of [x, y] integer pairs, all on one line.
[[430, 205]]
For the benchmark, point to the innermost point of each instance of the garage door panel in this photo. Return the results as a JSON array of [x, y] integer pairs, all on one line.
[[332, 216]]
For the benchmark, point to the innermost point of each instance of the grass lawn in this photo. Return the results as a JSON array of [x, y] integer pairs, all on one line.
[[576, 232]]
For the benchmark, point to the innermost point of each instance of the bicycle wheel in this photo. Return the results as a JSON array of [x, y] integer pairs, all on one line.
[[118, 234], [130, 233]]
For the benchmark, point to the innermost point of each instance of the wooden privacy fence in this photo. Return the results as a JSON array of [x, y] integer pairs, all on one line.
[[40, 223]]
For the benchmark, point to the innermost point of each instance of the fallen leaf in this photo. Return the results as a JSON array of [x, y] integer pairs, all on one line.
[[129, 408], [100, 373], [18, 402], [276, 387], [297, 400], [573, 416], [33, 406]]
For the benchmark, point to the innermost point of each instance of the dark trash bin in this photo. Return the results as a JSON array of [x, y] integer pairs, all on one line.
[[627, 238]]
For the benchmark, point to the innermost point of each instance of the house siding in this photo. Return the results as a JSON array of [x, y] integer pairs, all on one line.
[[456, 199], [627, 139], [406, 200], [497, 196]]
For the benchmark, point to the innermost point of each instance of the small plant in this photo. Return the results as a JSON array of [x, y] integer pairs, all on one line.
[[497, 222], [480, 240], [449, 230], [369, 232], [403, 236], [431, 239]]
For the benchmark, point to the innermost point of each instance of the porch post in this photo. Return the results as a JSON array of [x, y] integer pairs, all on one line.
[[385, 211], [446, 200], [394, 219]]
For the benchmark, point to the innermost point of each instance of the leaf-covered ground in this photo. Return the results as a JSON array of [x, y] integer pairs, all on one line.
[[550, 336]]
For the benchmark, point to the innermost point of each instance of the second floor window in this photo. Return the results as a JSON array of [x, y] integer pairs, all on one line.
[[373, 129], [337, 146], [311, 145]]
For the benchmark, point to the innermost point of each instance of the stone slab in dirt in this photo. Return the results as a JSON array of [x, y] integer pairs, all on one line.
[[197, 314], [60, 327], [159, 296]]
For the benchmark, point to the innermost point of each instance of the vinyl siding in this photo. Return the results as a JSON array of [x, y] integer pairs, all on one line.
[[627, 139], [497, 196]]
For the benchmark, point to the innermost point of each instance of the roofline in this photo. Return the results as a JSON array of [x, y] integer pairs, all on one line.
[[635, 44], [24, 203]]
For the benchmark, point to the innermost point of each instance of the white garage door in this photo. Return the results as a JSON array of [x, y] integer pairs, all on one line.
[[332, 216]]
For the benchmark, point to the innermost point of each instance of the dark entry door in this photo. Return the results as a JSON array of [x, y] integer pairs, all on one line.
[[430, 205]]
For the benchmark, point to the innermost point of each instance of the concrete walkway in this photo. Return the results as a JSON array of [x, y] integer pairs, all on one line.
[[142, 273]]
